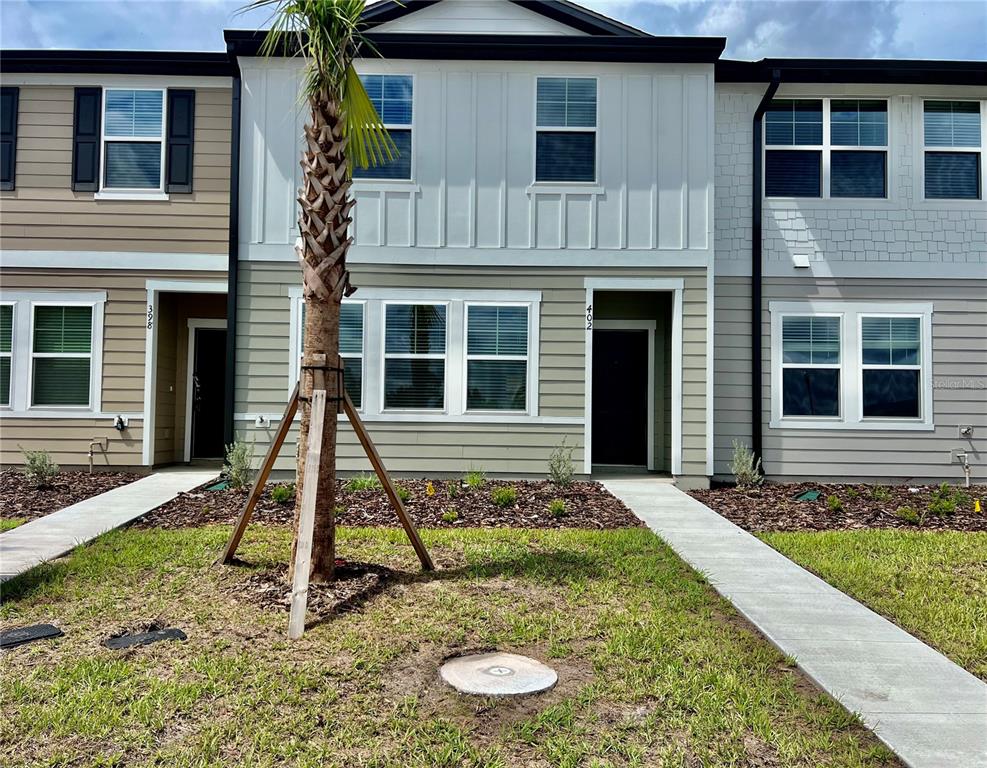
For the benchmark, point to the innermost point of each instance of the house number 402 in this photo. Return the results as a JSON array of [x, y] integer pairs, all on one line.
[[589, 317]]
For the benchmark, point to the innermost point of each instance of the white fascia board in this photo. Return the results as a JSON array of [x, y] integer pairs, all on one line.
[[205, 262]]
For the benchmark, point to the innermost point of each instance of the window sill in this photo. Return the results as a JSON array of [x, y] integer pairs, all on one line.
[[111, 195], [864, 426], [565, 188], [385, 185], [821, 203], [52, 412]]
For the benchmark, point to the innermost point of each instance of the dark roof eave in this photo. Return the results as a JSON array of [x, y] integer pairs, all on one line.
[[430, 46], [904, 72], [117, 63]]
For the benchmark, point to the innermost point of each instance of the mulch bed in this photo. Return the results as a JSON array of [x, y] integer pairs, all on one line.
[[20, 499], [588, 505], [773, 507]]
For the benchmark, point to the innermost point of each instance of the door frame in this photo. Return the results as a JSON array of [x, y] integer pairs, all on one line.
[[672, 285], [649, 326], [194, 324]]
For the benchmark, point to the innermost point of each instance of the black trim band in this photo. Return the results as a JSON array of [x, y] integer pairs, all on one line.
[[170, 63], [854, 71]]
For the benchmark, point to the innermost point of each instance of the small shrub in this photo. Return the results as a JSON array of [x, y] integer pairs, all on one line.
[[833, 503], [556, 508], [910, 516], [451, 515], [363, 483], [237, 467], [429, 488], [744, 467], [39, 468], [475, 478], [962, 498], [452, 489], [403, 493], [943, 501], [283, 493], [852, 493], [560, 467], [505, 496], [880, 493]]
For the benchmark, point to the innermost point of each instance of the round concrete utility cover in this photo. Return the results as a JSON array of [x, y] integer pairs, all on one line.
[[498, 674]]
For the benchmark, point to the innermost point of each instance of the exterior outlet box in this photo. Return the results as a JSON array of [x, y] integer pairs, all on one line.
[[965, 431], [261, 421]]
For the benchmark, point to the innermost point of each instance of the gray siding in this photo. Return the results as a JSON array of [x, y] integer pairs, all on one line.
[[959, 352]]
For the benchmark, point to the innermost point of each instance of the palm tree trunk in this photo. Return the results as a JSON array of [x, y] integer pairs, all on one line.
[[323, 223]]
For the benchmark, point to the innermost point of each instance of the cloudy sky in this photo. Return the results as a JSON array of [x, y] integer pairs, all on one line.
[[932, 29]]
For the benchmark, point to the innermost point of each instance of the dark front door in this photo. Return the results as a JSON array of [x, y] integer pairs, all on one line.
[[620, 397], [208, 392]]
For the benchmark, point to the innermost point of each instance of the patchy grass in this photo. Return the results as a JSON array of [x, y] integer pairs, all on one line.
[[9, 523], [654, 668], [930, 583]]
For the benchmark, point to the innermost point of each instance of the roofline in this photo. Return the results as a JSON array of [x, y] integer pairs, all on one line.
[[902, 71], [176, 63], [563, 11], [429, 46]]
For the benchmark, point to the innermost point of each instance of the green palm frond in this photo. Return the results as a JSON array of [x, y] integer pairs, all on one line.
[[328, 34]]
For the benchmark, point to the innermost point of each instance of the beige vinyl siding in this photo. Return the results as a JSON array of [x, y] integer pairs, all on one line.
[[43, 213], [410, 447], [959, 360], [124, 333]]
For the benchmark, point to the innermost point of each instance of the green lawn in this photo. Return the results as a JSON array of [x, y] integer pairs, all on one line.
[[9, 523], [931, 583], [655, 669]]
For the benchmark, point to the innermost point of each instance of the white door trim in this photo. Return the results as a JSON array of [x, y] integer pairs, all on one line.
[[194, 324], [649, 326], [674, 285], [154, 289]]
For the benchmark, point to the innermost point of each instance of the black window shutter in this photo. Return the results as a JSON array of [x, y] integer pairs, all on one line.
[[8, 136], [85, 139], [181, 131]]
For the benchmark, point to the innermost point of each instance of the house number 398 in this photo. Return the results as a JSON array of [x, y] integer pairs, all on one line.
[[589, 317], [150, 316]]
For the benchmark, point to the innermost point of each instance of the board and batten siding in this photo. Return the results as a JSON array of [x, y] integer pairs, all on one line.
[[473, 163], [519, 447], [959, 360], [124, 335], [44, 214]]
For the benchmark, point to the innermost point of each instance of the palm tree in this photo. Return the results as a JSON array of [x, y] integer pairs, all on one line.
[[344, 127]]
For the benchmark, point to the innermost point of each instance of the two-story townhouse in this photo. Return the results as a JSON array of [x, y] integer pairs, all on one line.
[[862, 183], [537, 264], [114, 246]]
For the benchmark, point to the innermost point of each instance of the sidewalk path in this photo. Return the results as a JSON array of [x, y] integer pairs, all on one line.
[[927, 709], [53, 535]]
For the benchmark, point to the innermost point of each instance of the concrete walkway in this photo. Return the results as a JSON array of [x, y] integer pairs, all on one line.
[[931, 712], [53, 535]]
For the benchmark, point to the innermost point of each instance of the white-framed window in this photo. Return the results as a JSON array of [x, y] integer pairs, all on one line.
[[565, 129], [6, 350], [435, 354], [826, 148], [415, 345], [393, 97], [351, 344], [851, 365], [952, 149], [51, 351], [497, 357], [133, 139]]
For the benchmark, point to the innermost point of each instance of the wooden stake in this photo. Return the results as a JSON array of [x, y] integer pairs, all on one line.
[[258, 488], [385, 480], [306, 521]]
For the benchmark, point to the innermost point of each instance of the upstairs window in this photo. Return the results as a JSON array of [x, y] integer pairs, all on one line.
[[133, 139], [496, 358], [952, 132], [393, 97], [826, 148], [565, 135]]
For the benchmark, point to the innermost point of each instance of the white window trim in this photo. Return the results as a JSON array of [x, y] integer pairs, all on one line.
[[919, 129], [22, 353], [374, 300], [851, 376], [547, 185], [362, 183], [826, 149], [467, 357], [124, 193], [839, 366]]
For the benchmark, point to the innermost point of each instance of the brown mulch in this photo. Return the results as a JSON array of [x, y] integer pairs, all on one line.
[[588, 505], [20, 499], [355, 584], [773, 507]]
